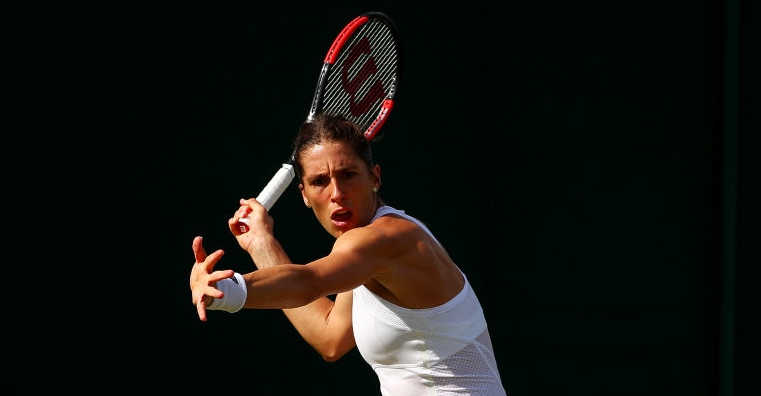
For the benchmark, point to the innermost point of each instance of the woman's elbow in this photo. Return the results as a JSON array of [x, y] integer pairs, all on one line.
[[331, 353], [333, 356]]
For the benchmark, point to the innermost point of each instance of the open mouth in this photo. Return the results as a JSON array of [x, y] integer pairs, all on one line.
[[341, 215]]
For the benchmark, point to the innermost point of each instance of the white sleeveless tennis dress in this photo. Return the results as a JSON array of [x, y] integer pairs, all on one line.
[[440, 351]]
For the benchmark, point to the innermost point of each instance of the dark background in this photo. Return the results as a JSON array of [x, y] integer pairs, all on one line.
[[590, 165]]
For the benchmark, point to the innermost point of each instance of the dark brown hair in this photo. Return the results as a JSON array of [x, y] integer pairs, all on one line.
[[325, 128]]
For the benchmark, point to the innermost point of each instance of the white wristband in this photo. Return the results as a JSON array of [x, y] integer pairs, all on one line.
[[235, 294]]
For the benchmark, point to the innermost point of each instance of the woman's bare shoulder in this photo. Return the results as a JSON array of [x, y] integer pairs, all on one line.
[[389, 233]]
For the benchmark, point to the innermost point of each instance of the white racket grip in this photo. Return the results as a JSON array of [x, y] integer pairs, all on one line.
[[276, 186], [273, 190]]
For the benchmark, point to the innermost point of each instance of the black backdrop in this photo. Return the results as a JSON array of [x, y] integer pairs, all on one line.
[[589, 166]]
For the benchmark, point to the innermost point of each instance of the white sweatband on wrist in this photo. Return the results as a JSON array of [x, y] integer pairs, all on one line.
[[235, 294]]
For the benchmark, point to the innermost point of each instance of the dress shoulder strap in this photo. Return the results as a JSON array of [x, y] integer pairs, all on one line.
[[387, 210]]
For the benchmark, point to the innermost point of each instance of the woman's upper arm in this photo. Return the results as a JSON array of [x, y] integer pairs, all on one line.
[[325, 324], [340, 327], [356, 258]]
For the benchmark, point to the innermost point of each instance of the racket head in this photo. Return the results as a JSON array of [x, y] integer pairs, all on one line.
[[360, 73]]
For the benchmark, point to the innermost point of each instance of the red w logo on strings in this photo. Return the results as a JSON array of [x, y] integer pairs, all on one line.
[[359, 106]]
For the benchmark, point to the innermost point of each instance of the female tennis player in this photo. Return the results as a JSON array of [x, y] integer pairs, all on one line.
[[387, 287]]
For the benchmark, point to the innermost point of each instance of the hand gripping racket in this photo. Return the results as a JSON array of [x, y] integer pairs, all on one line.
[[358, 80]]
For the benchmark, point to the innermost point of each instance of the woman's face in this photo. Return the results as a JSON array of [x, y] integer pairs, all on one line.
[[338, 186]]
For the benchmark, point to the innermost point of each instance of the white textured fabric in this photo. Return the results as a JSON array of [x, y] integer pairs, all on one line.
[[440, 351]]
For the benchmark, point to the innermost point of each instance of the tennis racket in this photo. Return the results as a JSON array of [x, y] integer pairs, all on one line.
[[358, 80]]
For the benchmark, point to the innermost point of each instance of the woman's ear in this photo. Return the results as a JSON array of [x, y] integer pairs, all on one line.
[[304, 196], [377, 174]]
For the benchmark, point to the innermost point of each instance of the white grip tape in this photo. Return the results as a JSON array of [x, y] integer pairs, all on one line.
[[276, 186], [274, 189], [235, 294]]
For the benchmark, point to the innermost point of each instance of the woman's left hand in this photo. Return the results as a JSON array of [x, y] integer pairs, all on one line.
[[203, 280]]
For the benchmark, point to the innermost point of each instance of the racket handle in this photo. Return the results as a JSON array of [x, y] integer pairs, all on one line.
[[272, 191]]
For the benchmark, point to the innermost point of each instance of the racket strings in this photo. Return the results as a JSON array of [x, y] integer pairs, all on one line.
[[376, 84]]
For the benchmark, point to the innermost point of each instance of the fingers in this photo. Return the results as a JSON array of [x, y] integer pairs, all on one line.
[[217, 276], [202, 278], [234, 222], [249, 211], [211, 260], [246, 207], [202, 295], [201, 309], [251, 204], [202, 258], [198, 251]]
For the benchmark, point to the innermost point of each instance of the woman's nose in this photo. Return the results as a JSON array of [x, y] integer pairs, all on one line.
[[337, 190]]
